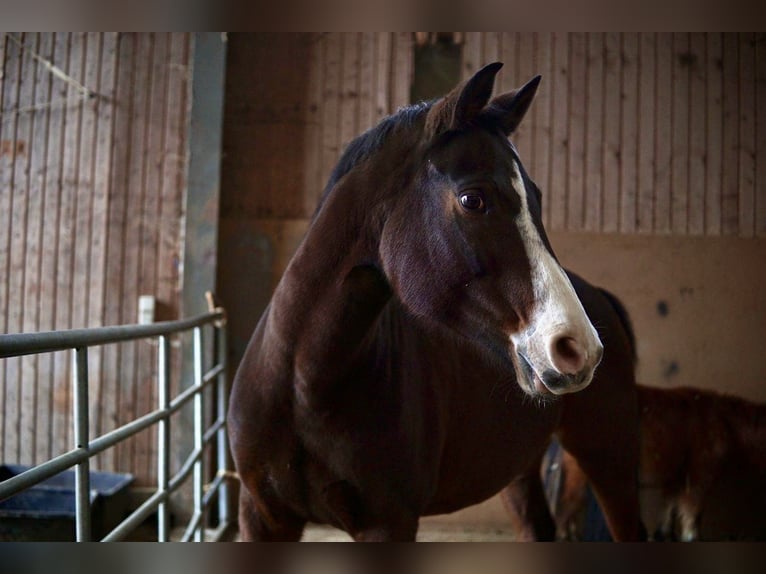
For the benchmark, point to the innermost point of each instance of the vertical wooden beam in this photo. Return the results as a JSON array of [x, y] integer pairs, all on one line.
[[647, 94], [629, 130], [576, 130], [747, 135], [697, 134], [714, 130], [760, 143], [594, 131], [559, 180], [730, 144], [612, 141], [203, 194]]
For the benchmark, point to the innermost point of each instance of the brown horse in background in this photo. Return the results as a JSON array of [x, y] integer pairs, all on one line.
[[702, 468], [423, 343]]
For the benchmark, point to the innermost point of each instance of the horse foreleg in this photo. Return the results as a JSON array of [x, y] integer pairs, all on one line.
[[524, 499], [267, 521]]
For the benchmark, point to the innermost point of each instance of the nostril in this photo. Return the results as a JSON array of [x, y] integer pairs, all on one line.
[[569, 356]]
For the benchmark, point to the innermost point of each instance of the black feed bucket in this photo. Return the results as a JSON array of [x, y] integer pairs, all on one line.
[[46, 512]]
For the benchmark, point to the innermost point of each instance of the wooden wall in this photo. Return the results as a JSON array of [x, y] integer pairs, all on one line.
[[93, 152], [650, 133]]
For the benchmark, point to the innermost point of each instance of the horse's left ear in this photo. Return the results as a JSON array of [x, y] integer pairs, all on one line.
[[463, 105], [507, 110]]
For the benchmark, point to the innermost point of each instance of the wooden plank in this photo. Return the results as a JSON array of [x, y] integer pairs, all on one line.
[[714, 130], [401, 72], [312, 183], [330, 104], [646, 128], [731, 144], [36, 391], [576, 129], [524, 71], [86, 73], [760, 144], [349, 89], [115, 246], [135, 229], [747, 120], [594, 129], [629, 132], [490, 51], [542, 113], [680, 165], [56, 373], [612, 142], [560, 144], [67, 307], [17, 398], [472, 54], [663, 133], [9, 66], [366, 73], [154, 144], [697, 134], [103, 109], [383, 70], [174, 178], [34, 75]]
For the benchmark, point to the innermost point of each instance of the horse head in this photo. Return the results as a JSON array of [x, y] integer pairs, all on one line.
[[464, 245]]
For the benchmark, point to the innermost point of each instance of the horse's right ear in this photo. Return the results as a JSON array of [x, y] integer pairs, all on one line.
[[507, 110], [464, 104]]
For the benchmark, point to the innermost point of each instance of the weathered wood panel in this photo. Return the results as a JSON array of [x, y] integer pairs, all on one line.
[[92, 173], [640, 133]]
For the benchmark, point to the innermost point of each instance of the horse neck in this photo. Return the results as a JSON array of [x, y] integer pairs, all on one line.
[[332, 291]]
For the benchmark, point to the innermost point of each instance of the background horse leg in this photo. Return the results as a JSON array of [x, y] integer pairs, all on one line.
[[260, 524], [524, 499], [603, 437]]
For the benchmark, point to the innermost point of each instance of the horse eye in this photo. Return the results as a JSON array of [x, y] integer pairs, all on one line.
[[472, 201]]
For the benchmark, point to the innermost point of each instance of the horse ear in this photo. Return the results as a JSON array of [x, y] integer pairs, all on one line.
[[463, 104], [474, 95], [507, 110]]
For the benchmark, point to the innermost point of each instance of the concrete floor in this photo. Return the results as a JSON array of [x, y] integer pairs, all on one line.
[[428, 532]]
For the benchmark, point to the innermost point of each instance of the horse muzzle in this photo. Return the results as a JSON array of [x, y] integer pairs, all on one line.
[[565, 367]]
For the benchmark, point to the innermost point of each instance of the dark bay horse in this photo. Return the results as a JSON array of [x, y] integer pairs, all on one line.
[[423, 343]]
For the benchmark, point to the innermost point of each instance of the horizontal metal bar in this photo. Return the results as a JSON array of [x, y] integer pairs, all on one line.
[[186, 469], [18, 344], [211, 431], [37, 474], [212, 374], [191, 528], [137, 517], [212, 489], [126, 431], [46, 470], [189, 393]]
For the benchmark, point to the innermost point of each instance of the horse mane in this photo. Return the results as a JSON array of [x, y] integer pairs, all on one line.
[[625, 320], [369, 142]]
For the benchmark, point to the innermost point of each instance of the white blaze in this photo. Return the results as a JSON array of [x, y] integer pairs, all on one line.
[[557, 311]]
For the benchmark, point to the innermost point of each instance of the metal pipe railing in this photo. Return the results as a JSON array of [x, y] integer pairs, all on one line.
[[85, 447]]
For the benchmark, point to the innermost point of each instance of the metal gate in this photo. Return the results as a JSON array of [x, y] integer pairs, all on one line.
[[85, 447]]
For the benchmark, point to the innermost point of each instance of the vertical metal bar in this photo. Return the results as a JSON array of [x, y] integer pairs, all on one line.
[[81, 440], [223, 447], [163, 436], [198, 431]]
